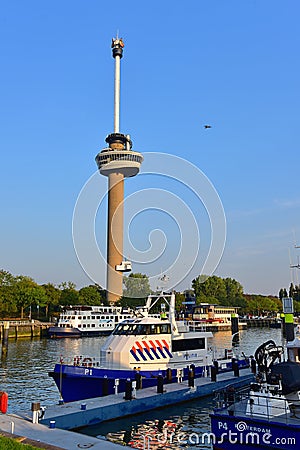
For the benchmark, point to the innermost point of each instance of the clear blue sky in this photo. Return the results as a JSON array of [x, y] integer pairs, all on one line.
[[229, 63]]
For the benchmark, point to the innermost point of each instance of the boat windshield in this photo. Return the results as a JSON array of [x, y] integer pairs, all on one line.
[[137, 328]]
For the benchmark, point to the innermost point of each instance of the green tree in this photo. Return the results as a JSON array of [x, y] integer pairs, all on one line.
[[211, 290], [7, 301], [52, 294], [27, 293], [91, 295], [68, 294], [136, 286]]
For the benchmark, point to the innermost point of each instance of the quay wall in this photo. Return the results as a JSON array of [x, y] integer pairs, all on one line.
[[24, 329]]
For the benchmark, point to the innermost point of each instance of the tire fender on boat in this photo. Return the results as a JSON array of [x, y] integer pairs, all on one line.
[[87, 362]]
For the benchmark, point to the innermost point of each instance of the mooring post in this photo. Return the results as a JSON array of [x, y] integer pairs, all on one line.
[[128, 389], [35, 408], [5, 339], [213, 373], [191, 380], [160, 384], [253, 365]]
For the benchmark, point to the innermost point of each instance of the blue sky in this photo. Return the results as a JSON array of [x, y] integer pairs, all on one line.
[[229, 63]]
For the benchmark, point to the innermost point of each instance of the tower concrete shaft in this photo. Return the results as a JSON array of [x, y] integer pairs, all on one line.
[[115, 224], [117, 162]]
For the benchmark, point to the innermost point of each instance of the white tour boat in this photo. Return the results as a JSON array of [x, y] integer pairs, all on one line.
[[77, 321]]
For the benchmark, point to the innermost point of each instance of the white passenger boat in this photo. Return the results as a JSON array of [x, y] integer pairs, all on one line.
[[77, 321]]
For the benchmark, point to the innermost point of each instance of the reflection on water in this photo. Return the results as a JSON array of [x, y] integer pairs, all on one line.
[[24, 373], [24, 376], [171, 427]]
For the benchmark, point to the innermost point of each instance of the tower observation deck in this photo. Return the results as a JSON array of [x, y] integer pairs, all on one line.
[[117, 161]]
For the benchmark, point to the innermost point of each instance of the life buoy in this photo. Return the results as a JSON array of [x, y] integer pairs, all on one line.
[[3, 402], [87, 362]]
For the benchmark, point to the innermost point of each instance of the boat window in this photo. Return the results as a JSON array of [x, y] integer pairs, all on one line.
[[93, 317], [142, 329], [79, 325], [188, 344], [165, 328], [98, 317], [79, 317], [84, 325], [83, 318], [93, 325]]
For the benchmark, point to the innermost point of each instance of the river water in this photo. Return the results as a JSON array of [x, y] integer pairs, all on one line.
[[24, 376]]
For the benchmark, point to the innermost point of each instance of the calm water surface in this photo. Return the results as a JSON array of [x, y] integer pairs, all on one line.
[[24, 375]]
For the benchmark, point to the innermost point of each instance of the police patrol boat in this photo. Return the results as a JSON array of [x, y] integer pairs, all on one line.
[[143, 348], [268, 415]]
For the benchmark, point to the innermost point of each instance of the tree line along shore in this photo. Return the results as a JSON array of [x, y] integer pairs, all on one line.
[[21, 297]]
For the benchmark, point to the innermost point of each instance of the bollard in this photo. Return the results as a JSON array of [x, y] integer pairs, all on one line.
[[235, 368], [104, 386], [138, 380], [35, 408], [5, 332], [213, 373], [169, 375], [191, 380], [128, 390], [160, 384], [253, 365], [216, 364], [116, 386], [134, 389], [179, 375], [52, 424], [83, 406]]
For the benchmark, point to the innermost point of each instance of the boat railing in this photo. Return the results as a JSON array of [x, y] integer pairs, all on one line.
[[81, 360], [237, 402], [224, 398], [17, 322], [195, 325]]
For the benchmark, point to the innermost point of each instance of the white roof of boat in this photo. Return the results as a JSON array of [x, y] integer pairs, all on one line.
[[145, 320]]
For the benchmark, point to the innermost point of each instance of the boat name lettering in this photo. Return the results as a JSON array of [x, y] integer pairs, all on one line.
[[260, 430], [88, 372], [222, 425]]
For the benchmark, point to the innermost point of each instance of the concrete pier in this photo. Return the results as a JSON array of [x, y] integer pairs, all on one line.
[[88, 412], [42, 436]]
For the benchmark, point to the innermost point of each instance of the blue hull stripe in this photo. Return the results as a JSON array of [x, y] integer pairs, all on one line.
[[134, 355], [155, 354], [161, 352], [141, 354], [148, 354], [168, 353]]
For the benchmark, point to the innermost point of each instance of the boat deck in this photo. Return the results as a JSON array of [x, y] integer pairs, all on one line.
[[283, 416]]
